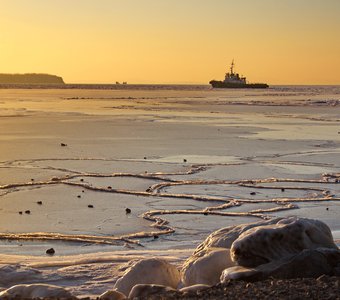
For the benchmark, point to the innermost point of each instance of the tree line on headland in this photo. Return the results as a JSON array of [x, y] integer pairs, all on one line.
[[32, 78]]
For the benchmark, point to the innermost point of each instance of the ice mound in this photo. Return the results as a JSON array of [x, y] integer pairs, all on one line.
[[207, 268], [33, 291], [263, 244], [233, 250], [224, 237], [280, 248], [148, 271], [213, 255], [12, 274]]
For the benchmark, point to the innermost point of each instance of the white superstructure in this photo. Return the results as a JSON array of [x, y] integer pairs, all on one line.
[[234, 77]]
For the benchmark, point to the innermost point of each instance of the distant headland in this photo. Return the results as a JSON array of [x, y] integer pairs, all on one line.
[[30, 78]]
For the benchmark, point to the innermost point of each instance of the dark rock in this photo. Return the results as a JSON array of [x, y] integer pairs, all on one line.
[[50, 251], [20, 212], [63, 144], [39, 202], [27, 212], [306, 264], [90, 206], [79, 196], [81, 179], [282, 190], [184, 160], [253, 193], [155, 236], [336, 272], [109, 187], [127, 210]]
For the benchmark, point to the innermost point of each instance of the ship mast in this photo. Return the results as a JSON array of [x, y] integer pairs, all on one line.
[[232, 67]]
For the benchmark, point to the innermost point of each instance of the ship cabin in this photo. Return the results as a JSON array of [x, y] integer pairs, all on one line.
[[234, 77]]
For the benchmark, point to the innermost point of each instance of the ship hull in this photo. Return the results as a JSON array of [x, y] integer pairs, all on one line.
[[228, 85]]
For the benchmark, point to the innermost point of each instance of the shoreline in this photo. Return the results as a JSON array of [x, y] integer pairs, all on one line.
[[323, 287]]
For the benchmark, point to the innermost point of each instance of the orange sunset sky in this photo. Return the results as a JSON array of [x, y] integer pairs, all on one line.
[[172, 41]]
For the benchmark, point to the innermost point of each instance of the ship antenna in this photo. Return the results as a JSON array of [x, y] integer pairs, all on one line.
[[232, 67]]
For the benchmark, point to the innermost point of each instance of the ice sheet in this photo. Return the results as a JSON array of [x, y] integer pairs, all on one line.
[[185, 161]]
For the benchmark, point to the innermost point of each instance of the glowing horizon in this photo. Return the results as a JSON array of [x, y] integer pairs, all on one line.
[[158, 41]]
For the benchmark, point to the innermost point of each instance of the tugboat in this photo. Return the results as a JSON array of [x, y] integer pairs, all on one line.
[[234, 81]]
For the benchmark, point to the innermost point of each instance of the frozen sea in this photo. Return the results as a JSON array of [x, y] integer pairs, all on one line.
[[185, 160]]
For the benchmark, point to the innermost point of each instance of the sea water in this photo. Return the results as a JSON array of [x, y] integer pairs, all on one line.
[[105, 174]]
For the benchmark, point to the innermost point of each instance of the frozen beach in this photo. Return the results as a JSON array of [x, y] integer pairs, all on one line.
[[184, 160]]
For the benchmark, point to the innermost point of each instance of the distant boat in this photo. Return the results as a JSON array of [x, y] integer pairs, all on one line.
[[233, 80]]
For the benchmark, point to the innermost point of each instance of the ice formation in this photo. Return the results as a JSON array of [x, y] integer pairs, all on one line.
[[11, 274], [274, 241], [213, 255], [148, 271], [206, 269], [279, 248], [32, 291], [259, 245]]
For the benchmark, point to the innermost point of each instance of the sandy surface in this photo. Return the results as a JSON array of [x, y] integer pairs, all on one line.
[[176, 153]]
